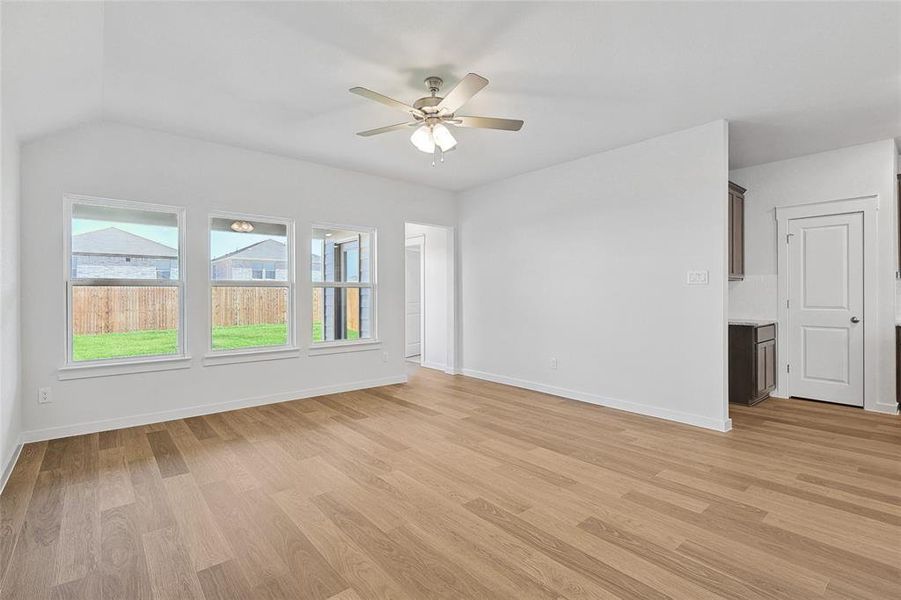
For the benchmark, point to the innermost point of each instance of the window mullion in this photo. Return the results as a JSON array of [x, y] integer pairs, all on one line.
[[276, 283], [341, 284], [126, 282]]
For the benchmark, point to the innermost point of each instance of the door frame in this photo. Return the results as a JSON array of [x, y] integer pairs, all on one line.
[[452, 356], [868, 206], [416, 241]]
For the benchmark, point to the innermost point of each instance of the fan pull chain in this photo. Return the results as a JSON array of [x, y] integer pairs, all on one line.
[[439, 153]]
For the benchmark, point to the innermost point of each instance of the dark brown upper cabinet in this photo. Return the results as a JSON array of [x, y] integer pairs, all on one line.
[[736, 232]]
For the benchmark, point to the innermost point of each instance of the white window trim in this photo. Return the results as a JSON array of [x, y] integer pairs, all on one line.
[[341, 346], [337, 346], [72, 369], [124, 366], [243, 355], [254, 353]]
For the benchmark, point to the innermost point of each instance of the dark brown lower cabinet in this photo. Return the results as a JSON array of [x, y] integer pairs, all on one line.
[[752, 362]]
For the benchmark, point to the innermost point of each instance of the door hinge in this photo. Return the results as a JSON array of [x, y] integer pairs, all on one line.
[[788, 237], [788, 368], [788, 304]]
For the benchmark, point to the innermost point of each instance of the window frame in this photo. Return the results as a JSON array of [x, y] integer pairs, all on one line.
[[326, 347], [289, 348], [110, 364]]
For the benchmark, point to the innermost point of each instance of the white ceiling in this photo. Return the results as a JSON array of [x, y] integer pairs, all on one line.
[[586, 77]]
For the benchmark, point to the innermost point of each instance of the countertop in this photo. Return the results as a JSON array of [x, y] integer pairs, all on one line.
[[751, 322]]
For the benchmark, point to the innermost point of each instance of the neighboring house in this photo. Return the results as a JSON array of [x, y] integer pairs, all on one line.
[[262, 260], [112, 253]]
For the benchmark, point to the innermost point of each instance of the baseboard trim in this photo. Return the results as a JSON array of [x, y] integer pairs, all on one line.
[[632, 407], [432, 365], [880, 407], [51, 433], [10, 464], [886, 409]]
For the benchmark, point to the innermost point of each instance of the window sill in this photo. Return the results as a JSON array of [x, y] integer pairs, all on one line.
[[250, 355], [323, 348], [124, 367]]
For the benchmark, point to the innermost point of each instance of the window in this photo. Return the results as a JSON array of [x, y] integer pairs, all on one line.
[[252, 282], [263, 271], [125, 294], [342, 269]]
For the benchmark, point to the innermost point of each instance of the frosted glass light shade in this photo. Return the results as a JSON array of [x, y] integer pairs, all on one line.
[[443, 137], [423, 140]]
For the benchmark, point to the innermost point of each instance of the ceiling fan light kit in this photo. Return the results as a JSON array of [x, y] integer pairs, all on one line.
[[431, 115], [242, 226]]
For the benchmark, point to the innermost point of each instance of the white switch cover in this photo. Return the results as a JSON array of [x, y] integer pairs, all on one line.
[[44, 395], [698, 278]]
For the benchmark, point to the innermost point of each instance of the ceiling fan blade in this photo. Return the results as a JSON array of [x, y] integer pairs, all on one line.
[[386, 129], [487, 123], [381, 99], [468, 87]]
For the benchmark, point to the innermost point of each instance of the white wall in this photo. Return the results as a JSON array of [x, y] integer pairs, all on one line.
[[438, 268], [586, 262], [851, 172], [10, 405], [128, 163]]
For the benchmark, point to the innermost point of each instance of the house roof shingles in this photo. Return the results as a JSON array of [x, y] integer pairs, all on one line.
[[264, 250], [116, 242]]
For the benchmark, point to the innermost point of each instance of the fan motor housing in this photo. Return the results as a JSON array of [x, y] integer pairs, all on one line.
[[427, 102]]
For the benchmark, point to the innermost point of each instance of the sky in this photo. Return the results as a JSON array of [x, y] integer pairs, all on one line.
[[221, 242]]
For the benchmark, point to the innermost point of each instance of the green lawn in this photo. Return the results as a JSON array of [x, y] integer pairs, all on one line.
[[118, 345], [249, 336], [162, 342], [352, 334]]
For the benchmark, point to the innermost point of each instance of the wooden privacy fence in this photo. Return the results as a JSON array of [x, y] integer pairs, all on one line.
[[249, 305], [115, 309]]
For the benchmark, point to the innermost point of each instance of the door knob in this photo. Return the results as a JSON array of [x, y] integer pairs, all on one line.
[[855, 320]]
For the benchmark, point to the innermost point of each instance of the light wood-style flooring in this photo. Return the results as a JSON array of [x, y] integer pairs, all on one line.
[[451, 488]]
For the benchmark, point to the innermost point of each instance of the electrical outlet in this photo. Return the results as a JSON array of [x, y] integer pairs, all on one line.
[[698, 278], [554, 363], [44, 395], [384, 357]]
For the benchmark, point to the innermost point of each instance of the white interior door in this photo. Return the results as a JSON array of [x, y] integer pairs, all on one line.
[[825, 259], [413, 302]]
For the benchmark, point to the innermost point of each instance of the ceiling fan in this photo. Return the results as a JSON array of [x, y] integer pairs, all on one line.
[[431, 114]]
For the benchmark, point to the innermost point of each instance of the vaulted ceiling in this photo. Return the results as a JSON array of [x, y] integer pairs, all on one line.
[[792, 78]]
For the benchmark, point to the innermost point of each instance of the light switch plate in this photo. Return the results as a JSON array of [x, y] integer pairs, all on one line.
[[698, 278]]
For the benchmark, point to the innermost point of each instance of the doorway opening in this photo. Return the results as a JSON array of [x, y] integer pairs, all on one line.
[[413, 299], [429, 338]]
